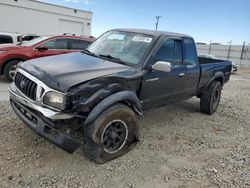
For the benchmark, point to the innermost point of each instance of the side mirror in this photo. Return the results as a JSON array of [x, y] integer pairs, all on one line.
[[162, 66], [42, 48]]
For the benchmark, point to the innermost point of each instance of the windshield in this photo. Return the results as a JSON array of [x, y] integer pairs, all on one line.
[[125, 46], [34, 41]]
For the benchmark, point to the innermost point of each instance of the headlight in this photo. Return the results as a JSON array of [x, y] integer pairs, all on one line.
[[54, 99], [2, 52]]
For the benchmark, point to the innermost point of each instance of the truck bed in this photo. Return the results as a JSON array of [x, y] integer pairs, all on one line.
[[205, 60], [210, 67]]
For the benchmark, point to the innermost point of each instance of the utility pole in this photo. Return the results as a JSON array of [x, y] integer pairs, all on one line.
[[157, 22]]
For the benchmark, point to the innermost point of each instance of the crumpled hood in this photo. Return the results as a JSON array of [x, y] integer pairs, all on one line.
[[61, 72]]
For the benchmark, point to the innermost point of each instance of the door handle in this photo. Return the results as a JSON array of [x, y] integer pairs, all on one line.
[[181, 74]]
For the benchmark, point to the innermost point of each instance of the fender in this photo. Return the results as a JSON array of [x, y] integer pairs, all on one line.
[[219, 76], [14, 57], [112, 99]]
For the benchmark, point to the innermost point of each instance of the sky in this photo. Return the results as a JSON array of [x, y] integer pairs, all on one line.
[[206, 20]]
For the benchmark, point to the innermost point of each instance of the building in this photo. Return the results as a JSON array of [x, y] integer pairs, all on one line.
[[36, 17]]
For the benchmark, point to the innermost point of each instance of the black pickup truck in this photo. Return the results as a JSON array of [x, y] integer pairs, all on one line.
[[92, 98]]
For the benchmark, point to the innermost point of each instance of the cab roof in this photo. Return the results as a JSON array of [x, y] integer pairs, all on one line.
[[153, 32]]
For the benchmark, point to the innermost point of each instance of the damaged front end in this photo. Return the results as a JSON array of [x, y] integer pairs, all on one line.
[[62, 117], [59, 127], [45, 128]]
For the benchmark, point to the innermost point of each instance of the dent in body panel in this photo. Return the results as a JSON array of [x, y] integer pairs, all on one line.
[[84, 97]]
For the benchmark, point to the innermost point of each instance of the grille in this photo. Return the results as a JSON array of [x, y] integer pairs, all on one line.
[[26, 86]]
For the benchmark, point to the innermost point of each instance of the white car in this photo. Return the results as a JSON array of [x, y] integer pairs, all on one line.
[[234, 68], [10, 38]]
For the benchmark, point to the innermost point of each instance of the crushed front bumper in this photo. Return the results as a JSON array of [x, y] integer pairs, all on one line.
[[40, 124], [16, 95]]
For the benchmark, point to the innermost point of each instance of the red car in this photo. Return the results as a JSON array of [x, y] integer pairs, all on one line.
[[43, 46]]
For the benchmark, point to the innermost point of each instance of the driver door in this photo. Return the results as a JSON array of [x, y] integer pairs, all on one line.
[[159, 87]]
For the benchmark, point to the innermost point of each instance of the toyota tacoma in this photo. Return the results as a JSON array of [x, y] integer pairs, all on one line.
[[93, 98]]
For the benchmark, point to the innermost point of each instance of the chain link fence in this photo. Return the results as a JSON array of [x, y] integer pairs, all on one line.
[[239, 54]]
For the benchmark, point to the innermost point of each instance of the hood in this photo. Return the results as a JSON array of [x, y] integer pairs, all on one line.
[[61, 72]]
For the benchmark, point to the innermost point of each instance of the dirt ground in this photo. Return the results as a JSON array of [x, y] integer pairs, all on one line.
[[179, 147]]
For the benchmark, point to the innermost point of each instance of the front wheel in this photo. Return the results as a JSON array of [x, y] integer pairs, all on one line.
[[10, 69], [210, 98], [112, 134]]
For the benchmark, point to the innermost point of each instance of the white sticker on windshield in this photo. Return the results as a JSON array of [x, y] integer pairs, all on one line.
[[142, 39]]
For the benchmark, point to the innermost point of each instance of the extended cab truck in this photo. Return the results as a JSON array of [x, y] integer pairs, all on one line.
[[92, 98]]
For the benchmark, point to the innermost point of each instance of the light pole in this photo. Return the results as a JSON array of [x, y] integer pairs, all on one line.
[[157, 22]]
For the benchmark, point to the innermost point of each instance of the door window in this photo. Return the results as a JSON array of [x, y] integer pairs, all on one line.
[[76, 44], [170, 51], [190, 57], [57, 44]]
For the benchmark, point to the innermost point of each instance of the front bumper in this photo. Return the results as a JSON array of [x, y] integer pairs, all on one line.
[[44, 128], [37, 118]]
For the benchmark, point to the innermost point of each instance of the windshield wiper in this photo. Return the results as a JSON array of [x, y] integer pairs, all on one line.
[[88, 52], [118, 60]]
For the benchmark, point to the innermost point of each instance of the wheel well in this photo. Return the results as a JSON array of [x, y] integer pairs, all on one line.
[[130, 105], [125, 102], [7, 61], [119, 97], [219, 79]]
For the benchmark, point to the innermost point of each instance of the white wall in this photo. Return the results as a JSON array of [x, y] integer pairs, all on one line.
[[33, 17]]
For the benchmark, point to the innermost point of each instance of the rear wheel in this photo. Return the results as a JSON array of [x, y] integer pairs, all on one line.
[[210, 98], [10, 69], [112, 134]]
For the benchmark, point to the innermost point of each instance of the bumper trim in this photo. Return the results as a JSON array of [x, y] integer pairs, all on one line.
[[43, 129]]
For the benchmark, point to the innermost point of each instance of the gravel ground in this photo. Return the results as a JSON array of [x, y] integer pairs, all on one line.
[[179, 147]]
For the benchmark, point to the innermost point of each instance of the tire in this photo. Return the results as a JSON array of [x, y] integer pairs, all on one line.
[[111, 135], [210, 98], [9, 69]]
